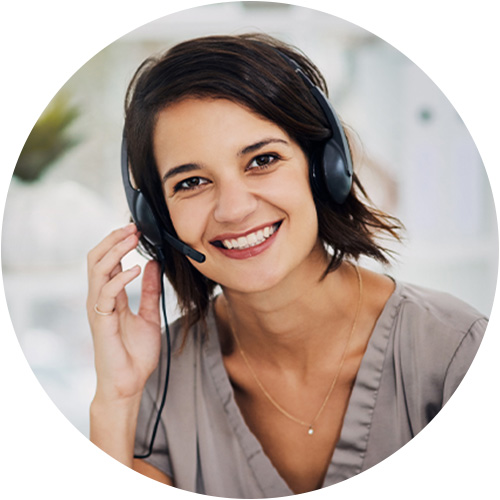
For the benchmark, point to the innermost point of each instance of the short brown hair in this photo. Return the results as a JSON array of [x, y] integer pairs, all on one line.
[[249, 70]]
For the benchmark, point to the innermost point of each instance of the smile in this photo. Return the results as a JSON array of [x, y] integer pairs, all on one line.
[[249, 240]]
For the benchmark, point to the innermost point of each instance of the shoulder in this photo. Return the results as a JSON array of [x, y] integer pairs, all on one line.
[[434, 334], [434, 317], [437, 307], [428, 340]]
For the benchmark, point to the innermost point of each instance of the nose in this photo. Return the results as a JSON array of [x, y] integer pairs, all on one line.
[[234, 201]]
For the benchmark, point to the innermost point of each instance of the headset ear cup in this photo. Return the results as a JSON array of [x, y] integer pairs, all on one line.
[[335, 174], [316, 179], [146, 221]]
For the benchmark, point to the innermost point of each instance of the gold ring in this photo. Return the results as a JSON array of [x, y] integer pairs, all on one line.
[[103, 313]]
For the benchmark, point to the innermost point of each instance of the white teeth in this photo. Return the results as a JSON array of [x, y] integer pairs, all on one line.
[[242, 242], [251, 239]]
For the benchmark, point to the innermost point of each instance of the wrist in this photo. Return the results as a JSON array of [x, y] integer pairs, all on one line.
[[113, 425], [108, 396]]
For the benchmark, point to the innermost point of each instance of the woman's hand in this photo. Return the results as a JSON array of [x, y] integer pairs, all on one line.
[[127, 345]]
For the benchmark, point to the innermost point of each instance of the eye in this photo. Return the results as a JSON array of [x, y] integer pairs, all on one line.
[[190, 184], [262, 162]]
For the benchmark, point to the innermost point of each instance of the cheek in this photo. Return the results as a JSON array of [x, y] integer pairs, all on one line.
[[188, 222], [296, 194], [303, 211]]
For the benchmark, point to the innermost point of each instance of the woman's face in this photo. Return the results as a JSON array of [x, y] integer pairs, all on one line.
[[237, 189]]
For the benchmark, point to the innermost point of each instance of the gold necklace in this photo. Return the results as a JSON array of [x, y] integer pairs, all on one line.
[[310, 426]]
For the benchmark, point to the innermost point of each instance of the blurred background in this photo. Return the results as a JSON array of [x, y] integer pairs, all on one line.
[[419, 163]]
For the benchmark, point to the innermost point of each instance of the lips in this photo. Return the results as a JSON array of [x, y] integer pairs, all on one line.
[[250, 240]]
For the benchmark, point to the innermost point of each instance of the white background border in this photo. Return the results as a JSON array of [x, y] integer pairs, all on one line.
[[44, 42]]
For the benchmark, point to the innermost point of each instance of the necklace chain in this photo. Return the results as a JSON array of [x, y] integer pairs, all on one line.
[[310, 426]]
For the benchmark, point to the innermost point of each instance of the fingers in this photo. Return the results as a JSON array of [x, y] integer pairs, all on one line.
[[112, 296], [98, 252], [121, 302], [107, 280], [151, 288], [104, 260], [109, 260]]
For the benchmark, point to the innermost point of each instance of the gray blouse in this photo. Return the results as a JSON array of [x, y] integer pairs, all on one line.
[[421, 347]]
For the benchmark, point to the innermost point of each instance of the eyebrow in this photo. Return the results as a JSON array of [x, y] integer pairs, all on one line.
[[260, 144], [190, 167], [181, 169]]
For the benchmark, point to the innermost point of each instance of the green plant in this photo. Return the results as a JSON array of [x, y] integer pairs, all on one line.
[[48, 140]]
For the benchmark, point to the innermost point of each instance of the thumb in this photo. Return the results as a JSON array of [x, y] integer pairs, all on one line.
[[149, 307]]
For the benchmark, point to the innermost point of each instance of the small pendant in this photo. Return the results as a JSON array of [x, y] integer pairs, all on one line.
[[310, 431]]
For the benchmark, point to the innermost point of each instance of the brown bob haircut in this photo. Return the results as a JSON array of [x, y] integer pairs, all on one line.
[[249, 70]]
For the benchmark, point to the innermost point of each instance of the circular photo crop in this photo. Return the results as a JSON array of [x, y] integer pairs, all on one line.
[[250, 250]]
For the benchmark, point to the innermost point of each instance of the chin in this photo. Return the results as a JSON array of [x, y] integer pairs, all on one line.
[[255, 282], [265, 275]]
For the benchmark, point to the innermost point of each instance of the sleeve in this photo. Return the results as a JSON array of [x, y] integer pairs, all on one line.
[[148, 413], [463, 357]]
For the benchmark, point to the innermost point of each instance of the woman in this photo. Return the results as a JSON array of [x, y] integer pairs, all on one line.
[[305, 369]]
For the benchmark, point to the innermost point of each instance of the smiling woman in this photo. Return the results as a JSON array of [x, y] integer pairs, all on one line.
[[236, 176], [305, 369]]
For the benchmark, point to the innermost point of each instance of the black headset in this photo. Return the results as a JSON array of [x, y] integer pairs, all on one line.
[[330, 174]]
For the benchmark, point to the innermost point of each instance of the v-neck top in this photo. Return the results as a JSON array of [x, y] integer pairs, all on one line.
[[420, 349]]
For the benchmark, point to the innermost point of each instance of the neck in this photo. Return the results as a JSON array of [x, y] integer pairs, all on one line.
[[296, 323]]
